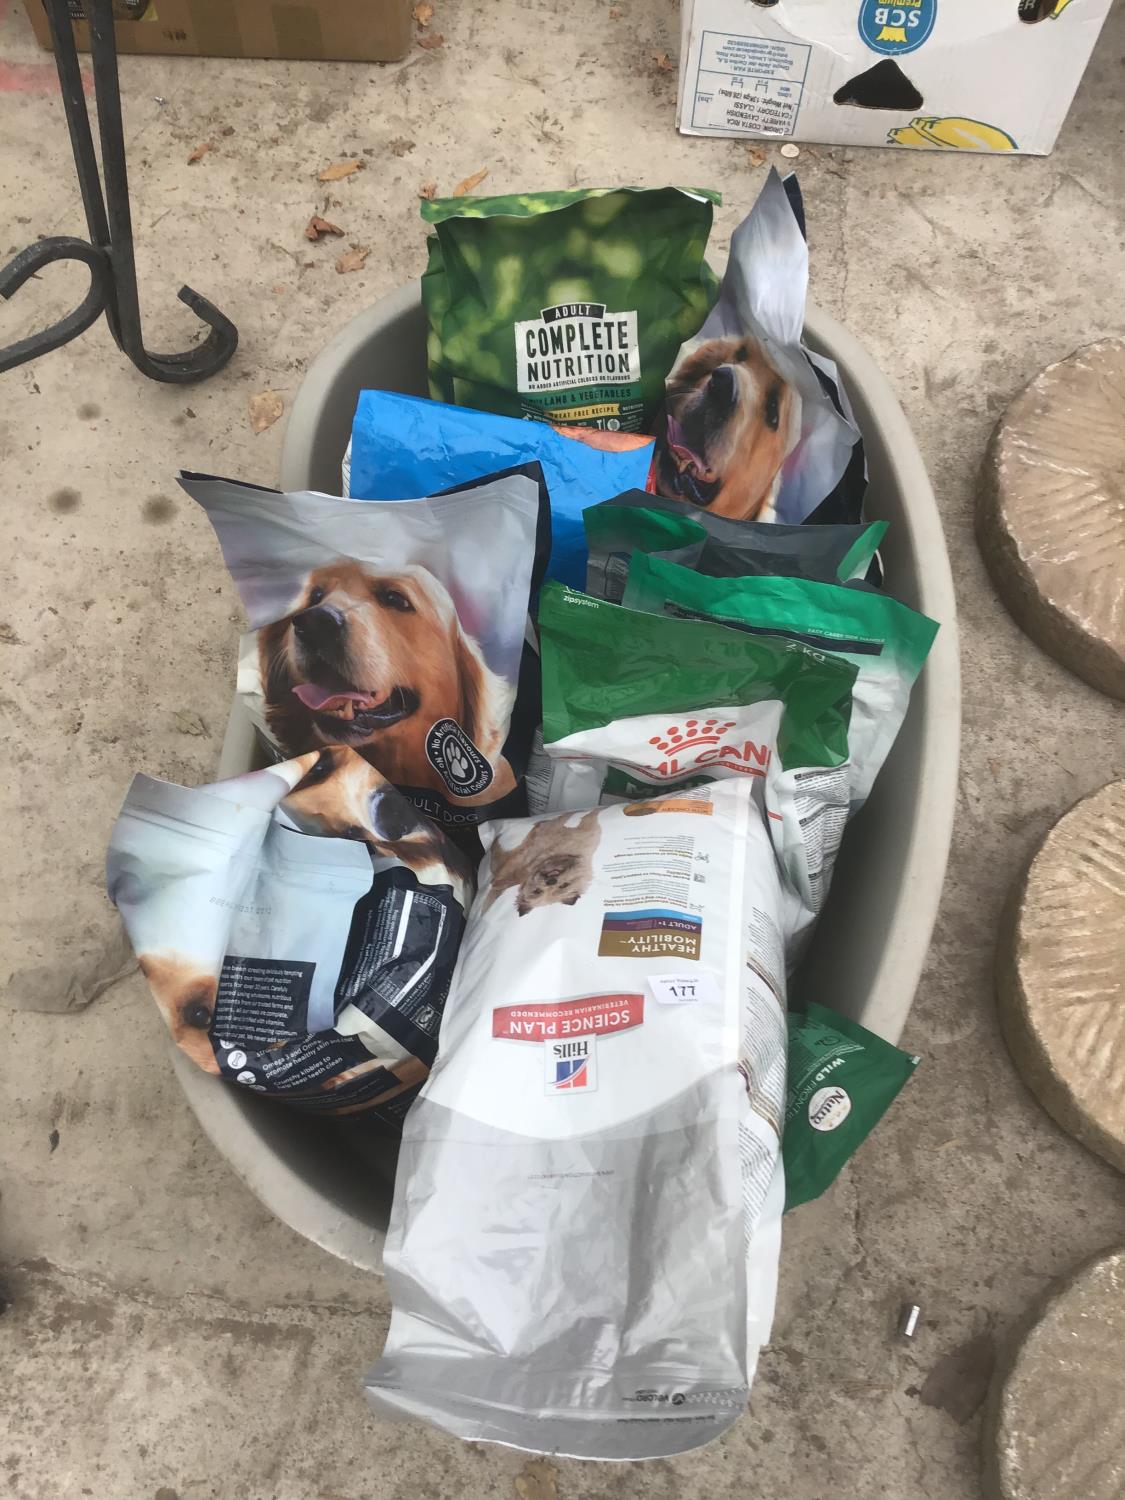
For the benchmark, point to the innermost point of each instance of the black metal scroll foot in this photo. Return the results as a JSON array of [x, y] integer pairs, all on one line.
[[109, 252]]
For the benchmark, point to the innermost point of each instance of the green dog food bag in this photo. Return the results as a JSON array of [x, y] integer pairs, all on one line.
[[613, 532], [635, 705], [886, 641], [565, 307], [842, 1080], [716, 545]]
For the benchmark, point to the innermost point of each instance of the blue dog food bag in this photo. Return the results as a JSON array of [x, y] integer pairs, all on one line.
[[405, 445]]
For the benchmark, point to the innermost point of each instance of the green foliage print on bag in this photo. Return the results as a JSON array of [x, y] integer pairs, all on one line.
[[565, 307]]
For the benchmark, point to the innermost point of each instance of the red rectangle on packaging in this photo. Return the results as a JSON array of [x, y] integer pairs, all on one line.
[[590, 1015]]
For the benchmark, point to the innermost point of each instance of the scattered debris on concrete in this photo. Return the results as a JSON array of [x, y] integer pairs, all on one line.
[[317, 228], [469, 183], [352, 259], [265, 407], [340, 169]]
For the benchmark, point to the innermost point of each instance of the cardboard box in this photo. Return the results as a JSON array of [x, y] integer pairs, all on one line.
[[970, 75], [347, 30]]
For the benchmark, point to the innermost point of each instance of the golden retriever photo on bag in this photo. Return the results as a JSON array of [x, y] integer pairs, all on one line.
[[553, 866], [185, 995], [732, 421], [344, 796], [380, 663]]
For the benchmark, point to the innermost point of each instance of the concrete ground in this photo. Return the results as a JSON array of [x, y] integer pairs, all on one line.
[[167, 1339]]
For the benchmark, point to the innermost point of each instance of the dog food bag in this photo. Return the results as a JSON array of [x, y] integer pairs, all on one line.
[[886, 641], [757, 427], [565, 307], [404, 445], [582, 1182], [308, 967], [639, 522], [636, 703], [396, 629], [842, 1080]]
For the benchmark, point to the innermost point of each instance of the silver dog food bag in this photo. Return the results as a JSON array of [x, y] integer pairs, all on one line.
[[758, 427], [583, 1245], [298, 928], [395, 628]]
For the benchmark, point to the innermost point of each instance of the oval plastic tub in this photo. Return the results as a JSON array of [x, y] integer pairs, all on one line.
[[327, 1179]]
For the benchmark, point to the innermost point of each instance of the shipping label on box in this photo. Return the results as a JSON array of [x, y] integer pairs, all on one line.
[[972, 75]]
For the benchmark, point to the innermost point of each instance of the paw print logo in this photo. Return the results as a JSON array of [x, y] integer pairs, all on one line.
[[456, 764], [462, 768]]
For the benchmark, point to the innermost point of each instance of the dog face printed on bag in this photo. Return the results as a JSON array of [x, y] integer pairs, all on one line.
[[552, 866], [732, 422], [186, 997], [374, 661], [344, 796]]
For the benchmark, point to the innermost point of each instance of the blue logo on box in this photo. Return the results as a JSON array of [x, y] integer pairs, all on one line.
[[896, 29]]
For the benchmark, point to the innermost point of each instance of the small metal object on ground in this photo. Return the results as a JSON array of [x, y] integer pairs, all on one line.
[[1061, 973], [108, 254], [1054, 1422], [1051, 517], [908, 1319]]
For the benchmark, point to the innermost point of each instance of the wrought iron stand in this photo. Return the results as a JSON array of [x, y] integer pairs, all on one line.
[[108, 253]]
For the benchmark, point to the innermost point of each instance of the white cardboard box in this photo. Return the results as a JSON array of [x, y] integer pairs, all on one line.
[[974, 75]]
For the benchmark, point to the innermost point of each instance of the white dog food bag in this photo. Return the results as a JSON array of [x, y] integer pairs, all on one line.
[[396, 628], [583, 1244], [635, 704], [301, 965]]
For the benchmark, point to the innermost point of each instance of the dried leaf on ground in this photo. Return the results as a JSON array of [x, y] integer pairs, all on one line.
[[188, 723], [200, 152], [427, 190], [352, 259], [430, 42], [662, 61], [754, 156], [265, 407], [316, 227], [470, 183], [401, 146], [423, 12], [340, 169]]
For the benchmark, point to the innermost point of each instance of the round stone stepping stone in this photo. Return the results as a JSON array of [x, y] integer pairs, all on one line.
[[1061, 973], [1055, 1420], [1051, 514]]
